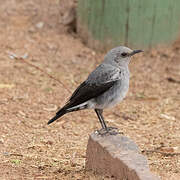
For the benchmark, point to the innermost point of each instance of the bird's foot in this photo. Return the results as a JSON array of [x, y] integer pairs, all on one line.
[[108, 131], [112, 128]]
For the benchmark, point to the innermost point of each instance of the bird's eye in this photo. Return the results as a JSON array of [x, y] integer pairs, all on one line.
[[123, 54]]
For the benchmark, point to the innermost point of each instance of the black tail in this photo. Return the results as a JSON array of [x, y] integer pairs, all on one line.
[[63, 111], [58, 115]]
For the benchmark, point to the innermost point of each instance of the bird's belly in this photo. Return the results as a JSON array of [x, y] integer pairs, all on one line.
[[113, 96]]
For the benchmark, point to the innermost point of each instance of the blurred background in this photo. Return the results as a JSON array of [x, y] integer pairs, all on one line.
[[48, 47]]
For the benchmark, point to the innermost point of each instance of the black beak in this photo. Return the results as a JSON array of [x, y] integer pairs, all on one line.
[[135, 52]]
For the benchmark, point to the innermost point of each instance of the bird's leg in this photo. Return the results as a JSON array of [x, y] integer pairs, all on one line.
[[105, 130], [101, 118]]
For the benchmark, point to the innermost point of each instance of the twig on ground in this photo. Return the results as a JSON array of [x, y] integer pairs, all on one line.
[[161, 152], [15, 154], [36, 67], [170, 79]]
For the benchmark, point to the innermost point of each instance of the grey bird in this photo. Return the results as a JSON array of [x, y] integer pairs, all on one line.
[[106, 86]]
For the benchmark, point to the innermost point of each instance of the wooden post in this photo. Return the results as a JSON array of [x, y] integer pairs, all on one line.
[[104, 24], [117, 156]]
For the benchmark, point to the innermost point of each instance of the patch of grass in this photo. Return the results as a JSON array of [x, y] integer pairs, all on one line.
[[140, 95], [48, 89], [16, 161]]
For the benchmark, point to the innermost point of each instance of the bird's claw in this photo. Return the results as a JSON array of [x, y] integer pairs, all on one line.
[[111, 128], [108, 131]]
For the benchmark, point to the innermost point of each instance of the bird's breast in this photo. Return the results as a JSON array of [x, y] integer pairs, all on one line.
[[114, 95]]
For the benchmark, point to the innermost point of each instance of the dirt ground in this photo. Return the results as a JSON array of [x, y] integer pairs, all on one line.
[[29, 149]]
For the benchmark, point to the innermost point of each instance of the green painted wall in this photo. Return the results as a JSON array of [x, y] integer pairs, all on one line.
[[136, 23]]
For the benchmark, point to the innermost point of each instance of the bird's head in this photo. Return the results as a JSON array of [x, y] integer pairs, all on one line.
[[120, 55]]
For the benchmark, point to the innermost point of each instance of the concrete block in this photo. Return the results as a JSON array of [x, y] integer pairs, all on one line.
[[117, 156]]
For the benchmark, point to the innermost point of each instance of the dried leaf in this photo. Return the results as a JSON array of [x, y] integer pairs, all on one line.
[[21, 114], [6, 86], [51, 107], [165, 116], [40, 25]]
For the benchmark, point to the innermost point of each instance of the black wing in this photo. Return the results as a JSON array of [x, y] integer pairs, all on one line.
[[86, 92]]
